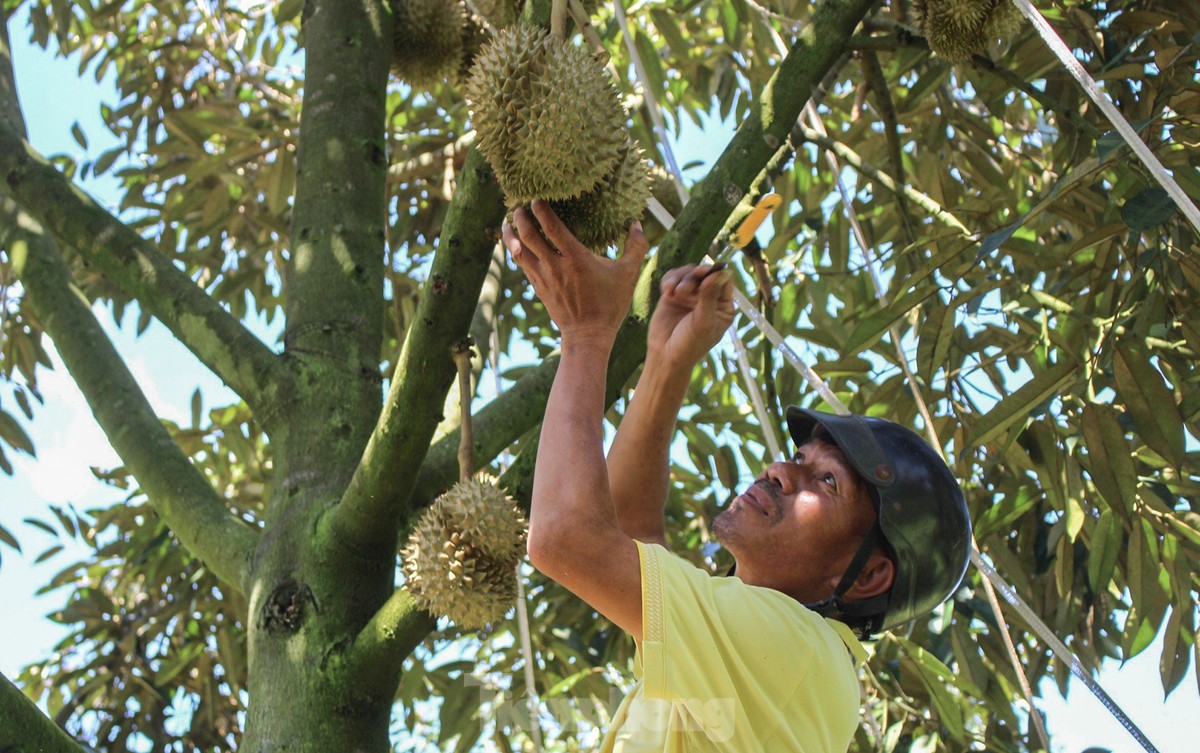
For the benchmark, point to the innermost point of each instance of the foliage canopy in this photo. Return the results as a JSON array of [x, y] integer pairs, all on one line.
[[1039, 285]]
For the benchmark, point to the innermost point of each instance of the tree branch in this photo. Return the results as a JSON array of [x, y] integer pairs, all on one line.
[[176, 489], [218, 339], [376, 657], [852, 158], [375, 502], [23, 726]]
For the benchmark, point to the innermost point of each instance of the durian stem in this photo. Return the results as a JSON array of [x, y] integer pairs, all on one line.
[[580, 16], [461, 352], [558, 20]]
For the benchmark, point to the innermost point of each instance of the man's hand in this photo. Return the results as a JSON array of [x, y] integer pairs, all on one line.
[[586, 295], [693, 313]]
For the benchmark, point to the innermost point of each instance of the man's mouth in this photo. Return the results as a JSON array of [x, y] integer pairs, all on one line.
[[759, 499]]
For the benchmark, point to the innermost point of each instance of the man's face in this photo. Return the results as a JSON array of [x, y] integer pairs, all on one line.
[[799, 524]]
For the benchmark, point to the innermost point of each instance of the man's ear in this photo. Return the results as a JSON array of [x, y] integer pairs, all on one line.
[[876, 578]]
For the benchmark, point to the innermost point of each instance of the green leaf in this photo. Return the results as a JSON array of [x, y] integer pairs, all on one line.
[[1148, 209], [993, 241], [934, 343], [1110, 463], [7, 537], [50, 552], [877, 323], [177, 661], [77, 134], [937, 677], [1001, 515], [1150, 403], [1105, 546], [1017, 406], [12, 433], [1178, 638], [1110, 141], [46, 527], [106, 160], [197, 408]]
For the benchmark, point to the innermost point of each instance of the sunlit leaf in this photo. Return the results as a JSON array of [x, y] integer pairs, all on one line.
[[1017, 406], [1151, 404], [1110, 462]]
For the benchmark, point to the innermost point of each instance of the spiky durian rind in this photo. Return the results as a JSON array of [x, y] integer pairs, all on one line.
[[601, 217], [461, 558], [447, 575], [959, 29], [547, 115], [488, 515], [427, 41]]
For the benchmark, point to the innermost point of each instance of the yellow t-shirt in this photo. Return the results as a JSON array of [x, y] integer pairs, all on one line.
[[733, 668]]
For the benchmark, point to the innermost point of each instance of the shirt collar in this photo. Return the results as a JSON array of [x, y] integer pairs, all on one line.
[[850, 639]]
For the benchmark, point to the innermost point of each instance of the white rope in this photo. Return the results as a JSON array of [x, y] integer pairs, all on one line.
[[1059, 48], [660, 128], [527, 651], [755, 395]]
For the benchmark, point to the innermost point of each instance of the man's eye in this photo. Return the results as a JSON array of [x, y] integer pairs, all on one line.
[[798, 457], [831, 480]]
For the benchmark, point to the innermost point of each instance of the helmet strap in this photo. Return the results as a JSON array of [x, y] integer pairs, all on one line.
[[873, 607]]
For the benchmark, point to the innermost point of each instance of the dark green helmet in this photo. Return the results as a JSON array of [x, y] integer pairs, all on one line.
[[922, 513]]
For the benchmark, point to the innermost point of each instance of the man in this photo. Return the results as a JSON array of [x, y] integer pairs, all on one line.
[[864, 528]]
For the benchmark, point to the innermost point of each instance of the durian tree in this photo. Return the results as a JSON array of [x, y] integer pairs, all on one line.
[[316, 164]]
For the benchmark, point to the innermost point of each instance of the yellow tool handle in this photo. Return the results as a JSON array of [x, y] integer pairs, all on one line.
[[745, 232]]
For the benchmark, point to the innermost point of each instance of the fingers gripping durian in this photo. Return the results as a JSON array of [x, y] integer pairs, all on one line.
[[959, 29], [428, 40], [461, 558]]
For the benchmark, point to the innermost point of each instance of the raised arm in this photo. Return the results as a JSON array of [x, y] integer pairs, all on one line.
[[695, 308], [573, 533]]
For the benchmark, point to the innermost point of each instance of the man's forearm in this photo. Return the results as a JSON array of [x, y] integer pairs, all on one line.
[[570, 488], [639, 460]]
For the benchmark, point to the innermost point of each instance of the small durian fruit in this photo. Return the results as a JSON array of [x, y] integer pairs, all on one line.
[[601, 217], [547, 115], [474, 37], [461, 558], [498, 13], [504, 13], [959, 29], [662, 187], [427, 41]]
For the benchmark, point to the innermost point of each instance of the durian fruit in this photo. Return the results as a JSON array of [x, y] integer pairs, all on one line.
[[504, 13], [474, 37], [662, 187], [959, 29], [427, 43], [461, 558], [547, 116], [601, 217], [499, 13]]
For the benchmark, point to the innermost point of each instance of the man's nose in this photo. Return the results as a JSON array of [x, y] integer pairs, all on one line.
[[783, 475]]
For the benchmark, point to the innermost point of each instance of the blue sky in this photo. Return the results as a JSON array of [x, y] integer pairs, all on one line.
[[69, 442]]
